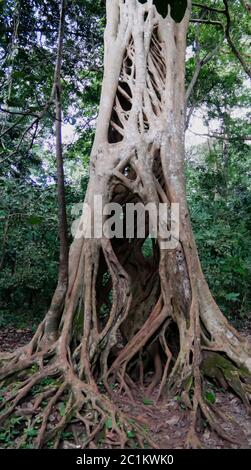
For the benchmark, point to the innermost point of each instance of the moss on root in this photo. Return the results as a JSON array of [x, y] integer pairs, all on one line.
[[223, 371]]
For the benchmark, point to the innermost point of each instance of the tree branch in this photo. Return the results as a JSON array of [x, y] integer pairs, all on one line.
[[226, 30], [231, 43], [212, 22], [13, 126], [28, 112], [216, 135], [199, 64], [200, 5], [34, 122]]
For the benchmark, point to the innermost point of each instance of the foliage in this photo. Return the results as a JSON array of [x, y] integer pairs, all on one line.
[[220, 204]]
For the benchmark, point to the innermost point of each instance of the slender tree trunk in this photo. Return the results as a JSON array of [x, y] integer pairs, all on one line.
[[57, 303], [121, 307]]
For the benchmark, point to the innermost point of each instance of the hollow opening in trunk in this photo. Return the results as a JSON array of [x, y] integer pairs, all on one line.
[[123, 98], [104, 294], [129, 172]]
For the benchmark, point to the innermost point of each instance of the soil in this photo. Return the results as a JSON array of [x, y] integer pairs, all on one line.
[[166, 421], [12, 338]]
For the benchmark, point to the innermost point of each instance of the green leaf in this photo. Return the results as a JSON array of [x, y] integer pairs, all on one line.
[[146, 401], [130, 434], [62, 409], [233, 296], [31, 432], [67, 435], [210, 396], [15, 420], [34, 220], [108, 423]]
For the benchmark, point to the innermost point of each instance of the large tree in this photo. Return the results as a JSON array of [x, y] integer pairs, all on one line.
[[122, 311]]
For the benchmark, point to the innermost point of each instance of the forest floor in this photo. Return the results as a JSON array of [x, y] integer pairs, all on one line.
[[167, 422]]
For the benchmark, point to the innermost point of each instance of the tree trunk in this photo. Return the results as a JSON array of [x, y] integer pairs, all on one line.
[[57, 304], [120, 306]]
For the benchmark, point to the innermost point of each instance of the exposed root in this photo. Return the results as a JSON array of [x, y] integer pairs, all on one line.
[[49, 394], [65, 399]]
